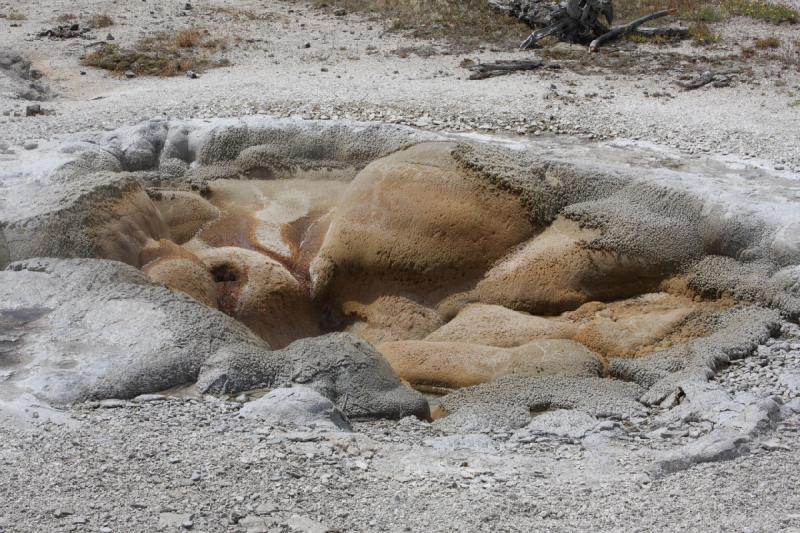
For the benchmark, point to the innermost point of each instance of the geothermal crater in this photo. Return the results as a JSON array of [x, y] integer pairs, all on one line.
[[370, 260], [448, 276]]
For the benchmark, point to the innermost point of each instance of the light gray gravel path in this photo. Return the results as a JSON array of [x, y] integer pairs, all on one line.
[[194, 464], [352, 69]]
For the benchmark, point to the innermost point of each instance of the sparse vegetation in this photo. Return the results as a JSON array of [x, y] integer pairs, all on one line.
[[769, 42], [66, 17], [464, 22], [763, 10], [188, 38], [748, 53], [101, 21], [707, 14], [214, 44], [473, 21], [16, 15], [162, 54], [710, 10], [702, 34], [789, 54], [641, 39]]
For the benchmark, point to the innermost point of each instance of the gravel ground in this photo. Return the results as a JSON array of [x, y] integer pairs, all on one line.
[[354, 68], [193, 464]]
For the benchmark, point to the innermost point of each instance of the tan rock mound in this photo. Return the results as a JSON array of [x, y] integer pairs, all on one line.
[[637, 326], [391, 318], [415, 223], [262, 294], [184, 213], [556, 272], [494, 325], [457, 364], [180, 270], [124, 226]]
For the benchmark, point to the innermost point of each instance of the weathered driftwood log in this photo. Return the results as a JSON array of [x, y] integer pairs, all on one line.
[[576, 21], [619, 31], [501, 68]]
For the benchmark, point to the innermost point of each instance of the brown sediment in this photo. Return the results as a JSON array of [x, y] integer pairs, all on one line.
[[132, 222], [230, 282], [180, 270], [184, 212], [233, 228], [458, 364]]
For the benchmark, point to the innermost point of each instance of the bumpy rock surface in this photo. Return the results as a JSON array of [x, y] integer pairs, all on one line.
[[416, 223], [76, 330], [341, 366], [458, 364], [435, 251], [495, 325], [296, 406]]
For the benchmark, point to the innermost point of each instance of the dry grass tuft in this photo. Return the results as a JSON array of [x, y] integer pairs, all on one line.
[[162, 54], [66, 17], [101, 21], [459, 22], [763, 10], [789, 55], [769, 42], [16, 15], [702, 34], [188, 38]]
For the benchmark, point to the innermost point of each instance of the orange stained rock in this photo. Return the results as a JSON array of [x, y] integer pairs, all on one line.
[[458, 364]]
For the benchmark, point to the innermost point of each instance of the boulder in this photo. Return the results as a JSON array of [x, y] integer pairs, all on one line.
[[180, 270], [88, 329], [262, 294], [340, 366], [296, 406], [632, 327], [390, 318], [184, 213]]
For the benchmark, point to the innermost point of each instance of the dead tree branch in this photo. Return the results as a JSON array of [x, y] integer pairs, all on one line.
[[619, 31], [574, 21], [662, 32], [501, 68]]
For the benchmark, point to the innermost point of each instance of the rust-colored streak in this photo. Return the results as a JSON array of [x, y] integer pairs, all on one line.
[[304, 238], [232, 229], [238, 229]]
